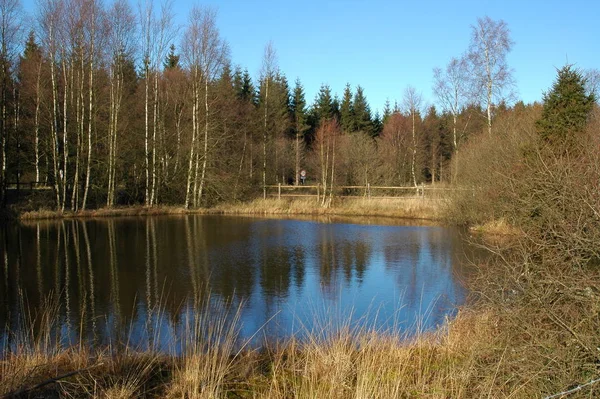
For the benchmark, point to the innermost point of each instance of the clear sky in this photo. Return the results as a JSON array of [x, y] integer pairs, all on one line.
[[384, 46]]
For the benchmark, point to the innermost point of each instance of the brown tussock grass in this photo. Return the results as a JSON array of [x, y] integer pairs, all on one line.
[[349, 363], [479, 353], [412, 208], [103, 212], [409, 208], [497, 227]]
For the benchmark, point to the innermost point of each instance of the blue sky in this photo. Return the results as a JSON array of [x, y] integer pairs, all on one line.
[[384, 46], [387, 45]]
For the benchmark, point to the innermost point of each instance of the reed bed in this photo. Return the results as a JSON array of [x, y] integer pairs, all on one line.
[[412, 208], [328, 361], [409, 207]]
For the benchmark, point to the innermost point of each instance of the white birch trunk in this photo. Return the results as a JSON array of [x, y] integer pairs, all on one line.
[[205, 160]]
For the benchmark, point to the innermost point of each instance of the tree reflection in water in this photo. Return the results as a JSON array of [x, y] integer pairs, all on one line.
[[141, 281]]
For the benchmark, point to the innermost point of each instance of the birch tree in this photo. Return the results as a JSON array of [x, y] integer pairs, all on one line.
[[157, 32], [93, 14], [206, 54], [491, 76], [119, 47], [451, 89], [325, 145], [9, 35], [50, 22], [268, 72], [412, 104], [31, 84]]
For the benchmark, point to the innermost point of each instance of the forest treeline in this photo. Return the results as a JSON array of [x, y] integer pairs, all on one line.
[[112, 105]]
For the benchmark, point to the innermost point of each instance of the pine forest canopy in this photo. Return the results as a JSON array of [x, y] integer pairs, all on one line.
[[104, 104]]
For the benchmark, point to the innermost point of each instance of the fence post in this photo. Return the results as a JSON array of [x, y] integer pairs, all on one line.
[[369, 190], [318, 191], [422, 190], [278, 191]]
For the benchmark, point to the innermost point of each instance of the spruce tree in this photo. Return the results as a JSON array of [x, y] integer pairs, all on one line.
[[298, 108], [347, 110], [387, 111], [242, 82], [324, 107], [377, 125], [172, 59], [300, 126], [362, 113], [566, 108]]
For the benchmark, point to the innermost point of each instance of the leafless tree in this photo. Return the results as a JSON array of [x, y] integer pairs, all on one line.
[[10, 30], [451, 89], [325, 146], [121, 26], [268, 72], [491, 76], [205, 54], [157, 32], [592, 82], [412, 102]]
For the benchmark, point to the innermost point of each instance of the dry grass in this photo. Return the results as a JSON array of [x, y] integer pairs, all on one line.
[[498, 227], [413, 208], [410, 207], [332, 362], [480, 353], [103, 212]]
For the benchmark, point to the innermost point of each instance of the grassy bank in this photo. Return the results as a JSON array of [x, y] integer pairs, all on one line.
[[508, 344], [427, 209], [351, 364]]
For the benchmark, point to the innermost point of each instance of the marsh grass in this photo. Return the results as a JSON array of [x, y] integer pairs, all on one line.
[[408, 207], [102, 212], [413, 208], [335, 357], [536, 338]]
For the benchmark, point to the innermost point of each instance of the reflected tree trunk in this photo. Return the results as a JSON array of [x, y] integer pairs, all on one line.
[[90, 266]]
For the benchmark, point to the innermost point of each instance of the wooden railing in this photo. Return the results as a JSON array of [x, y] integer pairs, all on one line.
[[30, 185], [366, 192]]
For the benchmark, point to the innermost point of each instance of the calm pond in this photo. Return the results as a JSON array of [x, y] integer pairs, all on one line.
[[133, 280]]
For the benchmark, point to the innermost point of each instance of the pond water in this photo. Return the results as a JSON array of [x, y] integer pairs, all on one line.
[[139, 281]]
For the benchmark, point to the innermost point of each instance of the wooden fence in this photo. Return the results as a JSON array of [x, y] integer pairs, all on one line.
[[30, 185], [365, 192]]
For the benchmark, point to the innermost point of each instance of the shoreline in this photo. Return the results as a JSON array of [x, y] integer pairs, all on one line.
[[426, 210]]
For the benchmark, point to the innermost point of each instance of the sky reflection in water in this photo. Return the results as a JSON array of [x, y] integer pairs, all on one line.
[[133, 281]]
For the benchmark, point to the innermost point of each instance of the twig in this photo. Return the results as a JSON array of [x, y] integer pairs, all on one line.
[[49, 381], [570, 391]]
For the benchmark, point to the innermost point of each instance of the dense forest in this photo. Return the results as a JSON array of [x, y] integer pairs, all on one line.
[[111, 105]]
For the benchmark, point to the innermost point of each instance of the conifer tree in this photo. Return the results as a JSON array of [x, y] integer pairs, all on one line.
[[566, 108], [172, 59], [362, 113], [298, 107], [324, 107], [377, 125], [387, 111], [347, 110]]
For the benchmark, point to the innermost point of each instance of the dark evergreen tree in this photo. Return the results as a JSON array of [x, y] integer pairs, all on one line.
[[387, 111], [300, 126], [362, 113], [246, 89], [298, 109], [336, 107], [566, 108], [31, 87], [172, 59], [377, 125], [324, 107], [347, 110]]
